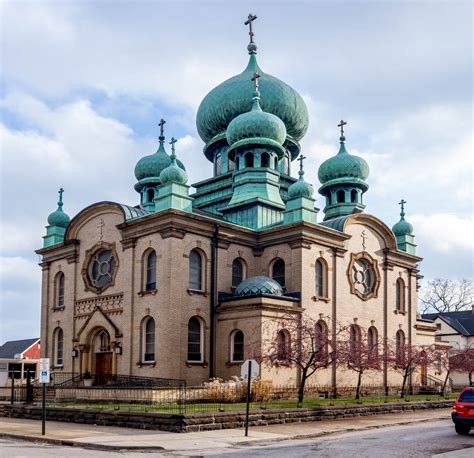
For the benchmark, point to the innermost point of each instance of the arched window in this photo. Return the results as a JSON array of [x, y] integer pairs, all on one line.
[[150, 195], [218, 163], [237, 163], [278, 271], [341, 196], [372, 342], [195, 270], [150, 283], [59, 290], [237, 272], [400, 295], [237, 346], [230, 164], [355, 343], [195, 339], [286, 165], [353, 195], [149, 339], [400, 347], [283, 345], [265, 160], [321, 278], [249, 160], [321, 340], [58, 339]]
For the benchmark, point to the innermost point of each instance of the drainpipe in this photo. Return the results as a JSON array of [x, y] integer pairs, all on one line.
[[213, 303]]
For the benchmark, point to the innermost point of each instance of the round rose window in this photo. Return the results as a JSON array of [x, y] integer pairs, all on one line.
[[363, 276], [101, 269]]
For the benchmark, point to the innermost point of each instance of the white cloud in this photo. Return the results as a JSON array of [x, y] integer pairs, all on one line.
[[445, 232]]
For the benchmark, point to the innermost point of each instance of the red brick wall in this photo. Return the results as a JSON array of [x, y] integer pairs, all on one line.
[[33, 352]]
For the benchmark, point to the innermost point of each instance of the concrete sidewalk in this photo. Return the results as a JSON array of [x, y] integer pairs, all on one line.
[[115, 438]]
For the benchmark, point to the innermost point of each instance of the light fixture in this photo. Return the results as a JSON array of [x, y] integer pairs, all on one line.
[[118, 349], [74, 353]]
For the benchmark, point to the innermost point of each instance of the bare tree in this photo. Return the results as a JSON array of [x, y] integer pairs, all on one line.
[[406, 358], [299, 342], [445, 295], [359, 354]]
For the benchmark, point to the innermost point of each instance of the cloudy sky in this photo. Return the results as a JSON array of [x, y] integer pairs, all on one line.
[[84, 84]]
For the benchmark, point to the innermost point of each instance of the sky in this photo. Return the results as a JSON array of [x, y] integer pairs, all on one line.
[[84, 84]]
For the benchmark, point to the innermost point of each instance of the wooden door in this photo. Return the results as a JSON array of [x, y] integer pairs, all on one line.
[[103, 367], [423, 375]]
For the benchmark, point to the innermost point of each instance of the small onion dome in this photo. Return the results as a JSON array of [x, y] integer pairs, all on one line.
[[58, 217], [173, 173], [152, 165], [343, 165], [403, 227], [301, 188], [256, 126], [259, 285]]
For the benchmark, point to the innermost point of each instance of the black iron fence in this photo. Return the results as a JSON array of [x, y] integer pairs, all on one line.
[[209, 398]]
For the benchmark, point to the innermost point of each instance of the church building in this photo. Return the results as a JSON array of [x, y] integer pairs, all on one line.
[[182, 283]]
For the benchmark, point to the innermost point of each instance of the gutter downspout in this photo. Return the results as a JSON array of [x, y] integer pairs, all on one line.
[[213, 302]]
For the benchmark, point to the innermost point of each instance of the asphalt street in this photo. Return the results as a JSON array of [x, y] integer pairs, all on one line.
[[426, 439]]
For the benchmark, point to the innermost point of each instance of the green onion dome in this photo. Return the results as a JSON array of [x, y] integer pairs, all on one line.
[[152, 165], [300, 188], [343, 165], [173, 173], [259, 285], [403, 227], [233, 97], [256, 125], [58, 217]]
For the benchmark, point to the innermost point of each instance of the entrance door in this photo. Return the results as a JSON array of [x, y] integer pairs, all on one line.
[[103, 367], [423, 375]]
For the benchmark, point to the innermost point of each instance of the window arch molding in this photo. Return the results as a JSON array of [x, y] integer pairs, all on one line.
[[59, 290], [148, 340], [197, 270], [372, 266], [277, 271], [149, 270], [400, 346], [58, 347], [195, 339], [321, 278], [239, 271], [237, 344], [373, 342], [400, 295]]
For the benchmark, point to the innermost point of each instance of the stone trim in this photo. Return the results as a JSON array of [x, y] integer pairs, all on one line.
[[366, 256], [87, 259]]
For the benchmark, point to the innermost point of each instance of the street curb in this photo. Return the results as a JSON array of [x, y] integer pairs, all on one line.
[[77, 444], [138, 448]]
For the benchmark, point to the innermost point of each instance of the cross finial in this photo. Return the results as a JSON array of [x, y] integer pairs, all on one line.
[[341, 126], [162, 129], [248, 22], [301, 158], [402, 205], [173, 151], [255, 78], [60, 192]]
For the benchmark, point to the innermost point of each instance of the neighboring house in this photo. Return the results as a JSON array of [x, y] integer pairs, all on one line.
[[457, 329], [16, 357]]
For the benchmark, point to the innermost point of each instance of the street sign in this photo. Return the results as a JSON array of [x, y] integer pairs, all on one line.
[[254, 369], [44, 373]]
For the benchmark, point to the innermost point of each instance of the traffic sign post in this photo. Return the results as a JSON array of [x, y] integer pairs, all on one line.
[[44, 379], [249, 370]]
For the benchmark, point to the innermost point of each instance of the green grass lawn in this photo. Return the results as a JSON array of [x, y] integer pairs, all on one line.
[[240, 406]]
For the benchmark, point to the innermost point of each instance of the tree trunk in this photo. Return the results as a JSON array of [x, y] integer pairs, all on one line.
[[405, 376], [301, 387], [470, 378], [359, 382], [443, 391]]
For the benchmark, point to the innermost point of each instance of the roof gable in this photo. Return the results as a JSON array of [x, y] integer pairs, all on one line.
[[13, 347]]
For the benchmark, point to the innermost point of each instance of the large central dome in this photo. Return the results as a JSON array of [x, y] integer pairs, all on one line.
[[234, 97]]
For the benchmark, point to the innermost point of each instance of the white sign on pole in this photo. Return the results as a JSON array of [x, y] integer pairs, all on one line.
[[255, 369], [44, 373]]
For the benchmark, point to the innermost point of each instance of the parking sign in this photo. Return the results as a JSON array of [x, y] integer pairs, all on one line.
[[44, 374]]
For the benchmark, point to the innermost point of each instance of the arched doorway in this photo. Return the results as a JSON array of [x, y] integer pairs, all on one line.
[[101, 355]]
